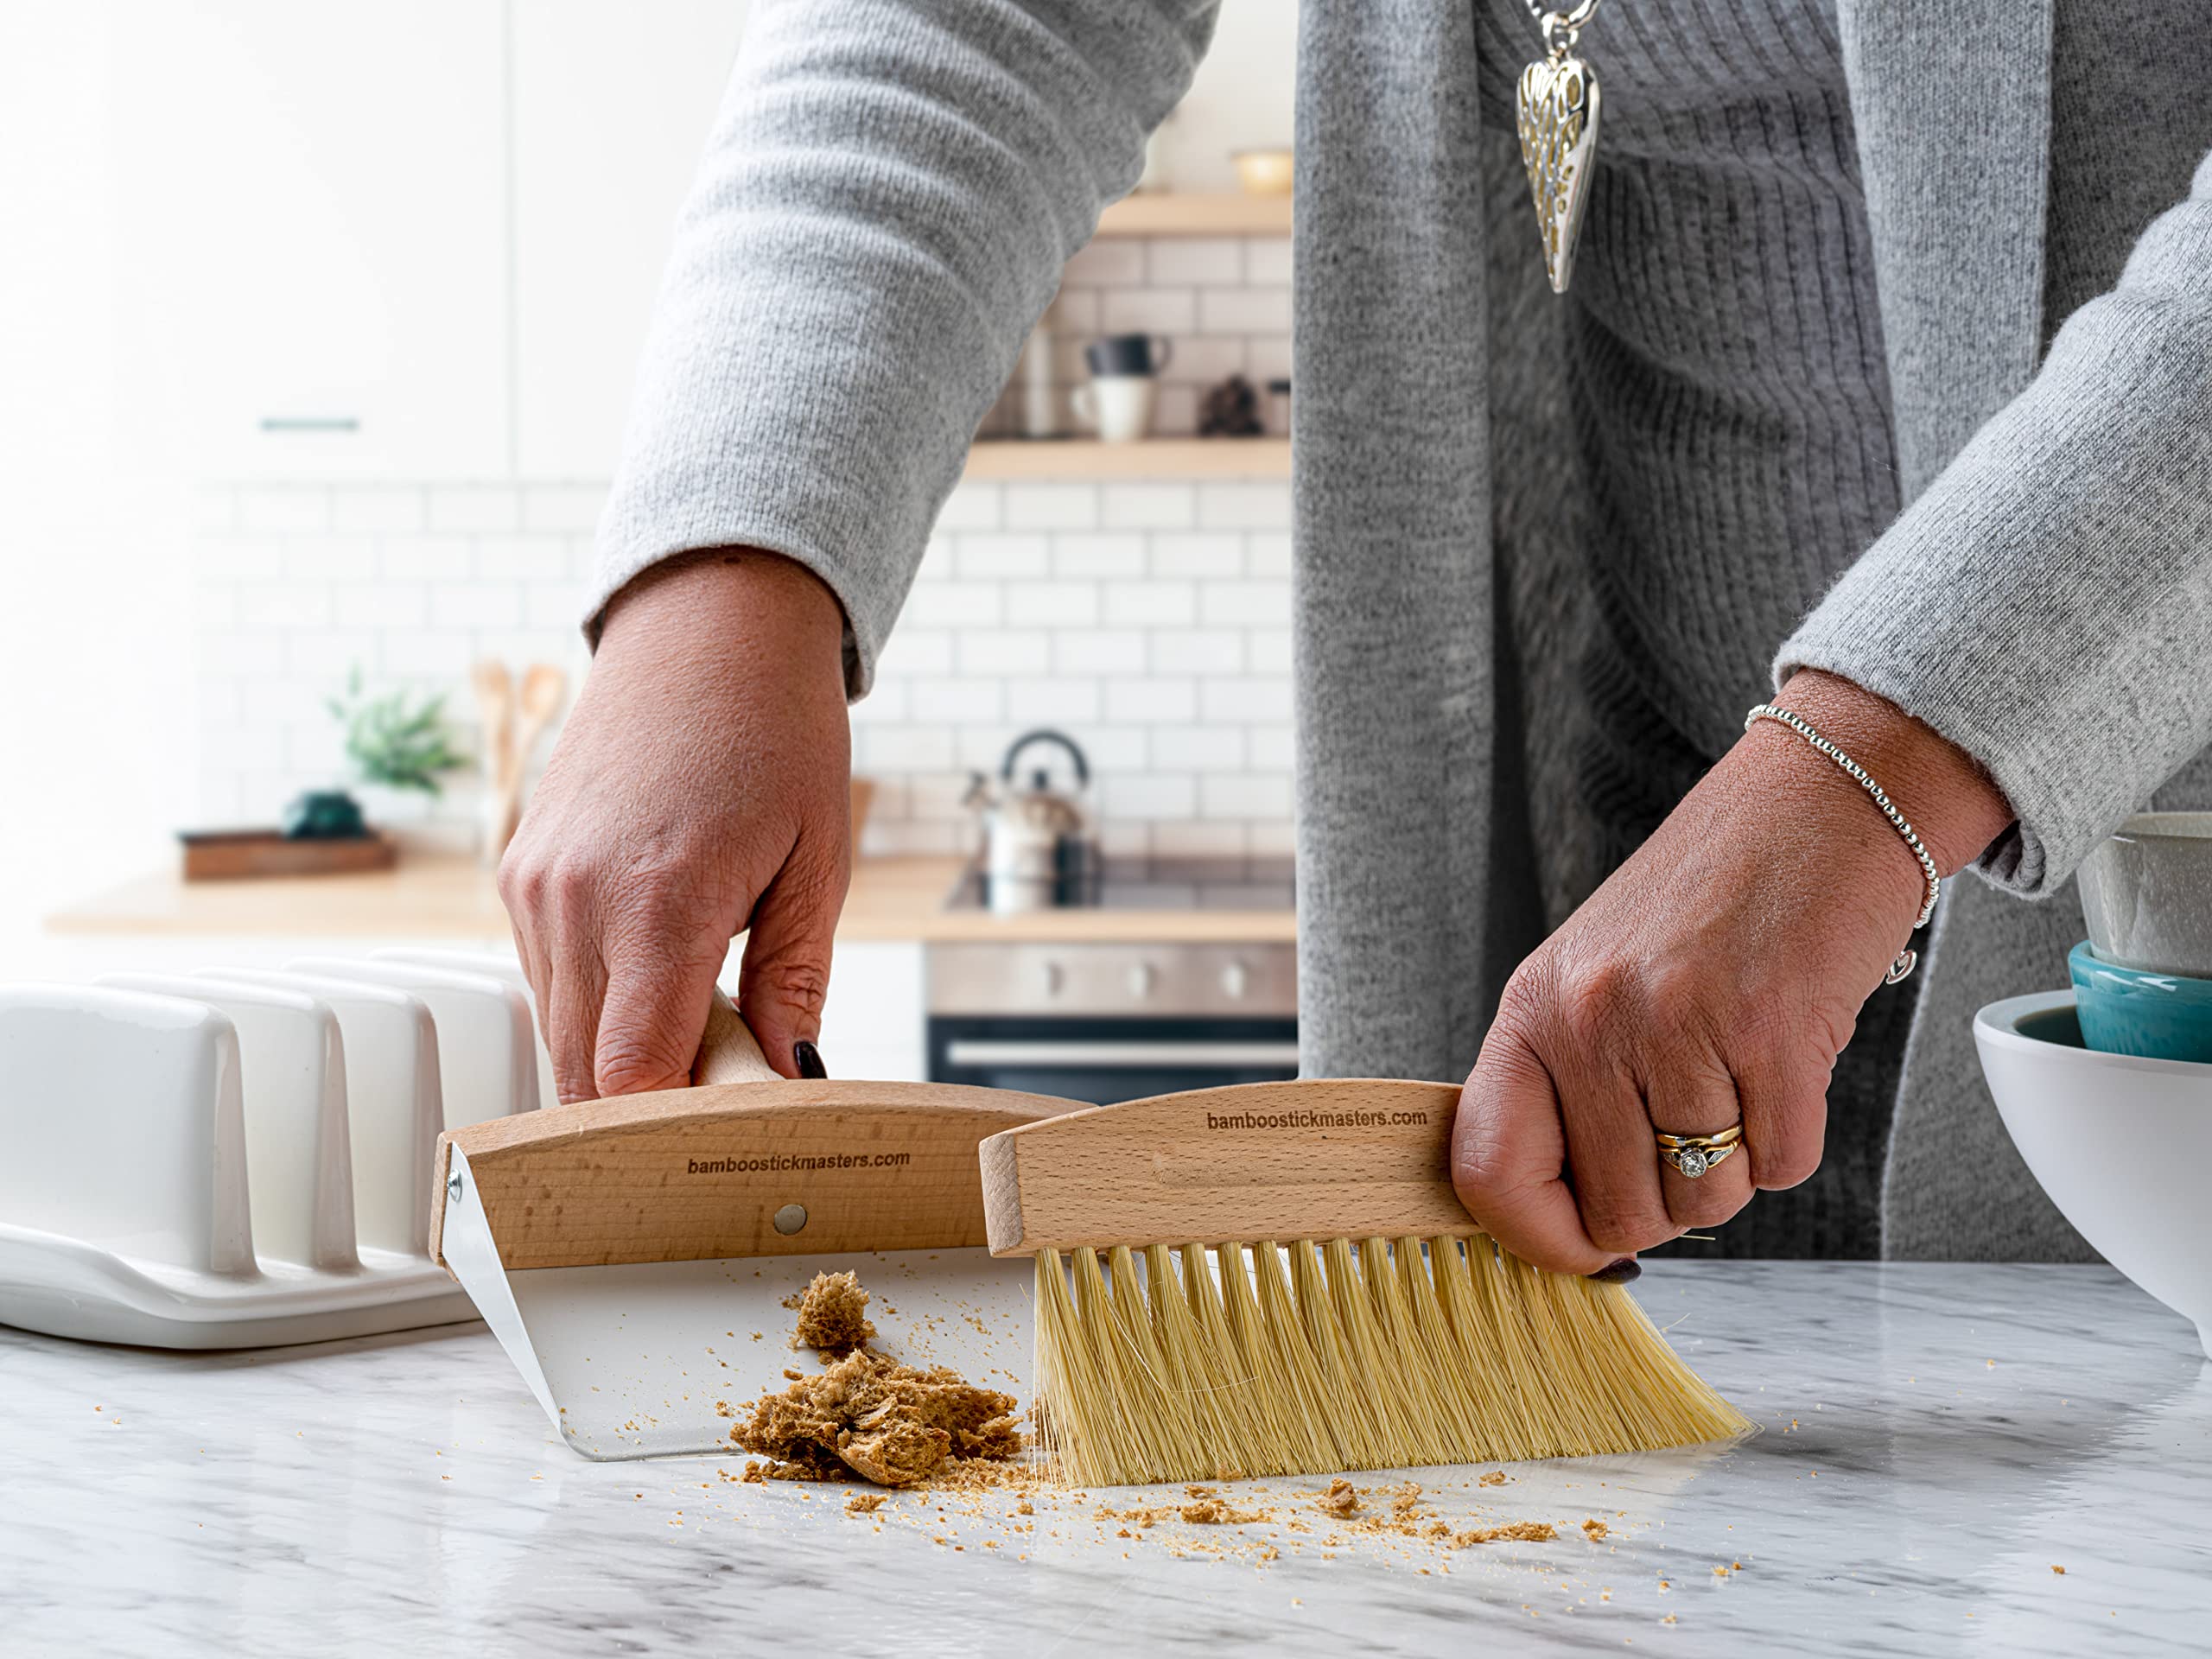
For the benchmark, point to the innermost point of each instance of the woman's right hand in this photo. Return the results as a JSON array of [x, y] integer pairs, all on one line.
[[699, 787]]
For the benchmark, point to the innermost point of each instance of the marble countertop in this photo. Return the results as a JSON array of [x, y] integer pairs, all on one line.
[[1935, 1441]]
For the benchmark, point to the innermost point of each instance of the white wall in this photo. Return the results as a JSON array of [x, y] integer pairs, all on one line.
[[97, 760]]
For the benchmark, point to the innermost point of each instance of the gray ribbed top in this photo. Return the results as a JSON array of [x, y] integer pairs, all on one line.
[[1730, 397]]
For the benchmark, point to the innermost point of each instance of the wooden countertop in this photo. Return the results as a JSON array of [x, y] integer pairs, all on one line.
[[434, 897]]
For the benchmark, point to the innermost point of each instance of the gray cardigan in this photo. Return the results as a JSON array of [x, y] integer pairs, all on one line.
[[893, 185]]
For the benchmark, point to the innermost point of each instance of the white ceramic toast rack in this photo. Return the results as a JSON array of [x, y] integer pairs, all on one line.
[[241, 1157]]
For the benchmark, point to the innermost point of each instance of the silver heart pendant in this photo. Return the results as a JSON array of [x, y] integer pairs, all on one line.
[[1558, 145]]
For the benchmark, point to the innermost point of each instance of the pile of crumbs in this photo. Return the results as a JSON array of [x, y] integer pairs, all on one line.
[[950, 1448], [869, 1416]]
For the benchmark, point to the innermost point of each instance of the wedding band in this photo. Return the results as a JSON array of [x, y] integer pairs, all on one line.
[[1694, 1154]]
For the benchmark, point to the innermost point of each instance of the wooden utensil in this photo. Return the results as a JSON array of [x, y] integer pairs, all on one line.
[[495, 704], [544, 689]]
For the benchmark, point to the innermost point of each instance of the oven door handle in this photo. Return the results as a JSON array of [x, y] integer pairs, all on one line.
[[983, 1052]]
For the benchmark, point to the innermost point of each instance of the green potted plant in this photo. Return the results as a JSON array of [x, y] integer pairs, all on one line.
[[396, 746]]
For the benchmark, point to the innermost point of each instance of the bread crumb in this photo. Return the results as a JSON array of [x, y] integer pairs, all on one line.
[[865, 1503], [832, 1314], [1525, 1532], [1493, 1478], [1593, 1529], [2058, 1569], [1342, 1499], [867, 1415]]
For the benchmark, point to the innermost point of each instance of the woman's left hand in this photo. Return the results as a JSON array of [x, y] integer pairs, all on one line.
[[1712, 979]]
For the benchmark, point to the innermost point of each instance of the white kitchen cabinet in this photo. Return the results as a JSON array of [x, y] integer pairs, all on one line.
[[612, 109], [315, 194]]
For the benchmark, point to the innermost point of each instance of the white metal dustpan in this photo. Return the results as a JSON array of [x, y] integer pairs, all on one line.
[[634, 1255]]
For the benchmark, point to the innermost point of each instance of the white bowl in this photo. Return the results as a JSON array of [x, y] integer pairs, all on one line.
[[2123, 1145]]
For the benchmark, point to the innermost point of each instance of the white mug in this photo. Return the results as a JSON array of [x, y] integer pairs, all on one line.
[[1119, 405]]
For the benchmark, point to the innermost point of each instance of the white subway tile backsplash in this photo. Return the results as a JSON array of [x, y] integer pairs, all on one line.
[[425, 558], [551, 606], [1052, 506], [972, 506], [521, 558], [913, 651], [1251, 700], [475, 506], [1101, 650], [981, 555], [243, 557], [1051, 604], [1198, 748], [475, 605], [1243, 506], [1201, 553], [277, 607], [1151, 604], [1198, 651], [1152, 701], [376, 508], [1106, 555], [1244, 604], [1244, 795], [1061, 700], [1244, 311], [959, 700], [1200, 260], [1272, 748], [562, 506], [1147, 507], [1003, 652], [1153, 795], [274, 509], [1170, 311], [1108, 262], [1267, 260], [904, 749], [1267, 553], [952, 605], [1269, 651]]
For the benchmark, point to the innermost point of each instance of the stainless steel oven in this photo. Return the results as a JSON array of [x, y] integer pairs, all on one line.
[[1103, 1022]]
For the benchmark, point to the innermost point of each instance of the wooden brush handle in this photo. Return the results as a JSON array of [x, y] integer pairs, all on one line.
[[697, 1174], [1333, 1158]]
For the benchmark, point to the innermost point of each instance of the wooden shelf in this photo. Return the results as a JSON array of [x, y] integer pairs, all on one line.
[[1227, 213], [1152, 457]]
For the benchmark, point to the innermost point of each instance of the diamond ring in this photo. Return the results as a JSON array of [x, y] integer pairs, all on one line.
[[1694, 1154]]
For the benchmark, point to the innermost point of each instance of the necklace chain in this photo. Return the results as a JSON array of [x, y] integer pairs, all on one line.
[[1571, 18]]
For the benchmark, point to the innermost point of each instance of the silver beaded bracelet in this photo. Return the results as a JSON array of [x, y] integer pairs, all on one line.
[[1908, 957]]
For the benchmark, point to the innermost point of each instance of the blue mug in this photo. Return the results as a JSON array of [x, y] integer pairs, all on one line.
[[2134, 1011]]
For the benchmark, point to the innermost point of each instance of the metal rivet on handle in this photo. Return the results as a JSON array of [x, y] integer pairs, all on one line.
[[453, 1186], [791, 1219]]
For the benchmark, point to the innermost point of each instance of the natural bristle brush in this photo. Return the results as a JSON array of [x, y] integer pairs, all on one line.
[[1278, 1279]]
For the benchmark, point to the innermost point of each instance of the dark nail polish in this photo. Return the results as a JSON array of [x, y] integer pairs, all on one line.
[[809, 1062], [1620, 1273]]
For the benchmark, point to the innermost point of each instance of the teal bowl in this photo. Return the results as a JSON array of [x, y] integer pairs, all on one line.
[[2133, 1011]]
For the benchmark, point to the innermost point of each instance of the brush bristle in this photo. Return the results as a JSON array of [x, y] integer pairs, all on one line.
[[1337, 1354]]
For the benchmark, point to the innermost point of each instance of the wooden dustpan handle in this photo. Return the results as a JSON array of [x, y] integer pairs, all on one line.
[[1332, 1157], [728, 1052], [760, 1166]]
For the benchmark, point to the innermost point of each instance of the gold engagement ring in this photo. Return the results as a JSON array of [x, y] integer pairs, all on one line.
[[1694, 1154]]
